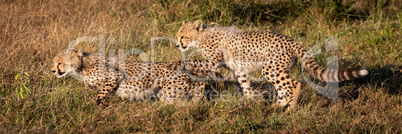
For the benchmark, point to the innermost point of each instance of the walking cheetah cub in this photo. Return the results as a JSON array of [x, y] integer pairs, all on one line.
[[247, 51]]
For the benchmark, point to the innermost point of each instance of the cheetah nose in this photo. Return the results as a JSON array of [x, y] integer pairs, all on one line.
[[177, 45], [53, 71]]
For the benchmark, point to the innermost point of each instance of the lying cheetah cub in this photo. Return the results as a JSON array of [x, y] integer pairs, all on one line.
[[127, 79], [247, 51]]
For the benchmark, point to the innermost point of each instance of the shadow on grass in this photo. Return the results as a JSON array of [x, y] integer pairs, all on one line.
[[388, 77]]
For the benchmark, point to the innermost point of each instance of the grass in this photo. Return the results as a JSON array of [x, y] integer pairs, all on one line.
[[35, 102]]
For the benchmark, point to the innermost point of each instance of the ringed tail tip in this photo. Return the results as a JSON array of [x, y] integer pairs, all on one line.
[[363, 72]]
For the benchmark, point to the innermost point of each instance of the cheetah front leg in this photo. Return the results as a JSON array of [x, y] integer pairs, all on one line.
[[249, 92], [102, 94], [110, 84], [200, 67]]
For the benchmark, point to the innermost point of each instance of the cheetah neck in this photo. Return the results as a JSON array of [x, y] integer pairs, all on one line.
[[220, 35], [88, 62]]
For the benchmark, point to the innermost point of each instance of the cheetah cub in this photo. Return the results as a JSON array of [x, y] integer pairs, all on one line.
[[247, 51], [132, 80]]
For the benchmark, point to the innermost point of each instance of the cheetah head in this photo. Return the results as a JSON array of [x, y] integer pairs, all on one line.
[[188, 34], [67, 62]]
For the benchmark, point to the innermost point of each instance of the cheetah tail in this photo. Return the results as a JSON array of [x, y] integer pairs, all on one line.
[[328, 75]]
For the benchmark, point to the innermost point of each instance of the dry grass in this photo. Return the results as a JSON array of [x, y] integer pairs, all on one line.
[[33, 31]]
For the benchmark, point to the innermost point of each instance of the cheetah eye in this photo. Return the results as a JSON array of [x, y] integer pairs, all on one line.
[[185, 38]]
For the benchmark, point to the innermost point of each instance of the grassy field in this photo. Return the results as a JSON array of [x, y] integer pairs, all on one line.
[[33, 100]]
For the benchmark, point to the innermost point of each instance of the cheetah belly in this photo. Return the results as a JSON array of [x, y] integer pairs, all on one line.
[[253, 66], [244, 66], [134, 90]]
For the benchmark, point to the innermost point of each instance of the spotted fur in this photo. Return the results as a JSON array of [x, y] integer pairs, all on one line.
[[247, 51], [132, 80]]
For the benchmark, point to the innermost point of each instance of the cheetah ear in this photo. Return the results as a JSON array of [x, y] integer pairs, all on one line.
[[80, 53], [184, 22], [198, 25]]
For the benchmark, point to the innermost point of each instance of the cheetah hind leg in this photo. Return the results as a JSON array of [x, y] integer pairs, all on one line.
[[287, 97], [197, 91], [250, 94], [296, 92], [166, 93], [287, 88]]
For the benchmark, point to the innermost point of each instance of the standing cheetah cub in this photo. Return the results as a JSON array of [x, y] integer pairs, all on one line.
[[127, 79], [247, 51]]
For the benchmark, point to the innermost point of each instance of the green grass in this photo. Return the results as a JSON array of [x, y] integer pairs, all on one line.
[[32, 32]]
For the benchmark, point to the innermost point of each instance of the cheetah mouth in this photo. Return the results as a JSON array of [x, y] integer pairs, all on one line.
[[60, 74], [182, 48], [67, 72]]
